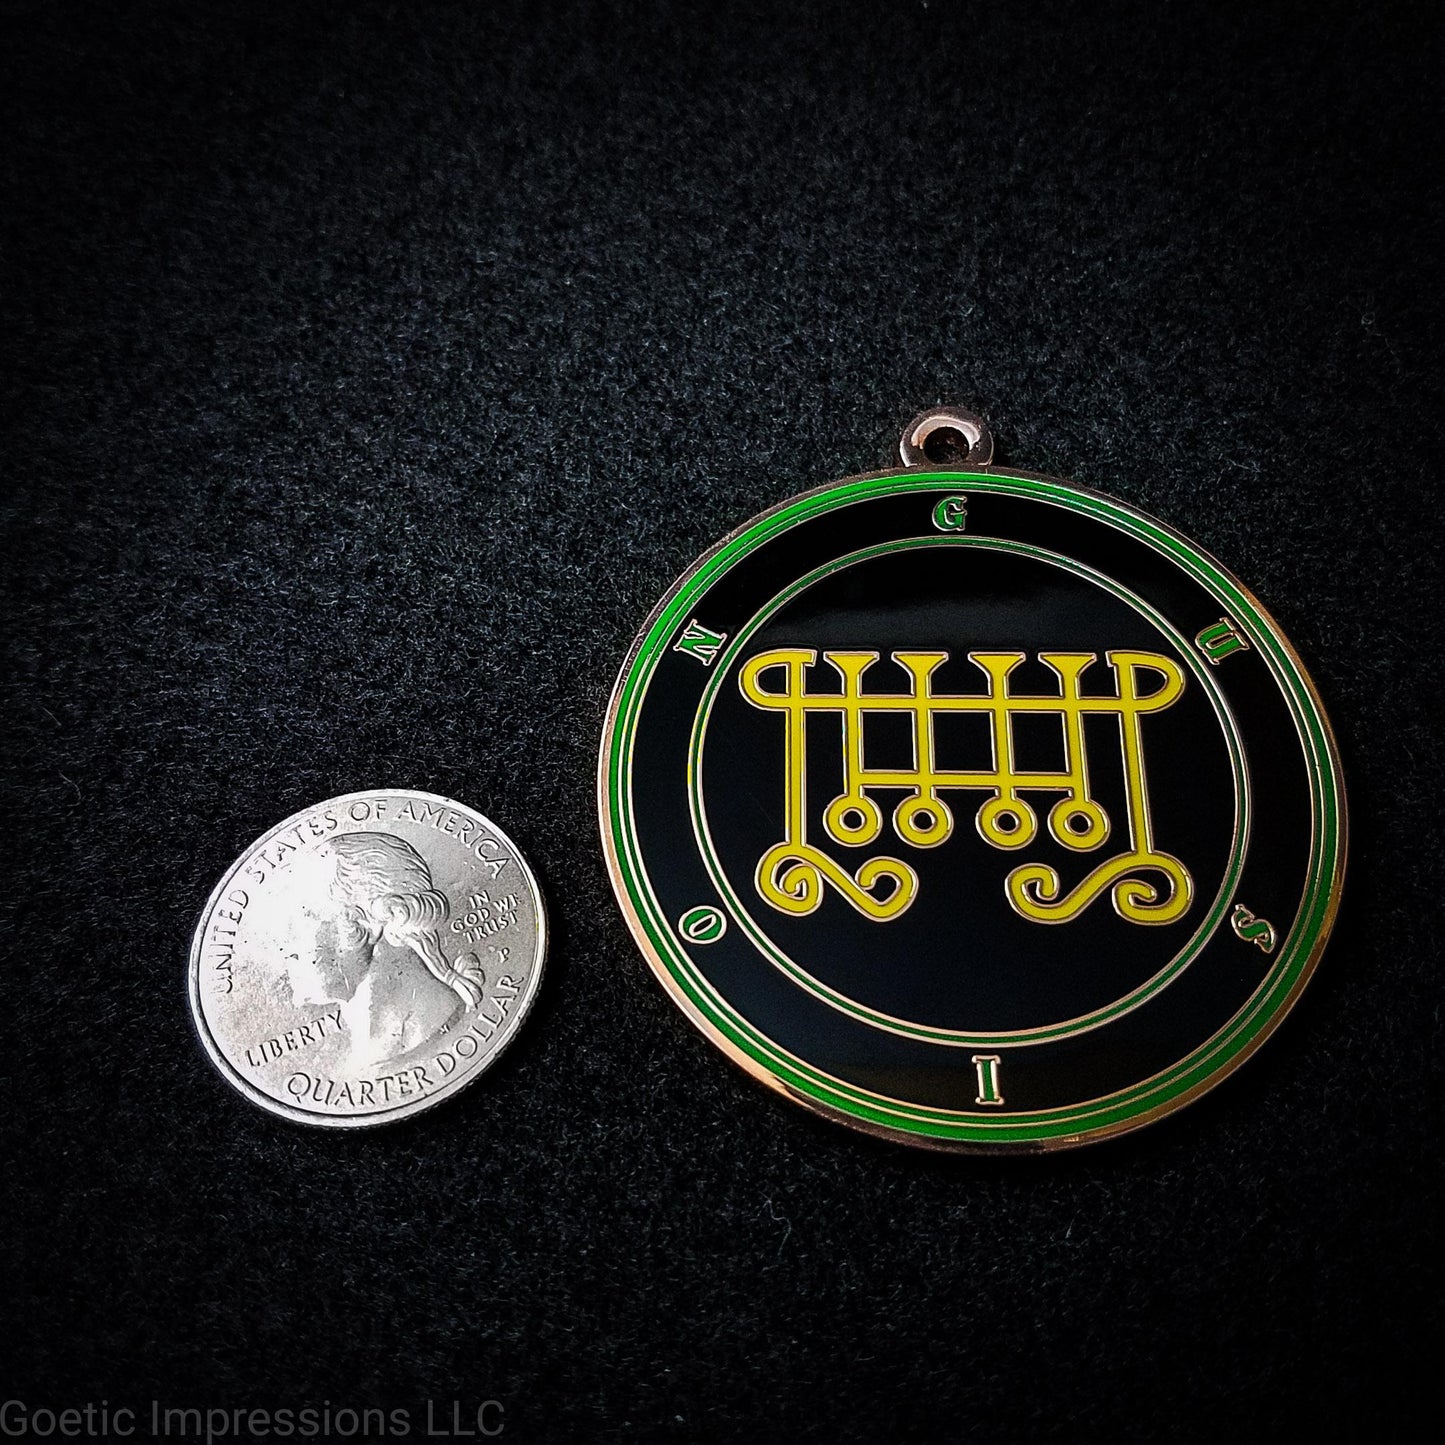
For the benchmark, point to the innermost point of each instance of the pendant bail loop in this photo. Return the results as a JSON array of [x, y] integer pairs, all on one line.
[[946, 436]]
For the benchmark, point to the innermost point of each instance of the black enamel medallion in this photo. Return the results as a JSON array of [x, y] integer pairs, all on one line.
[[972, 808]]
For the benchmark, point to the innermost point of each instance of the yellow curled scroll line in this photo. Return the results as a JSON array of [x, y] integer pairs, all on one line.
[[790, 876], [1033, 890]]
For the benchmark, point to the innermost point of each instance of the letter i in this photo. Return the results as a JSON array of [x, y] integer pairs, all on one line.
[[987, 1066]]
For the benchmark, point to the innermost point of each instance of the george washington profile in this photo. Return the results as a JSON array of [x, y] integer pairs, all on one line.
[[362, 934]]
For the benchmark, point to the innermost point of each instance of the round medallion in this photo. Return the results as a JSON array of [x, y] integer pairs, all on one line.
[[972, 808]]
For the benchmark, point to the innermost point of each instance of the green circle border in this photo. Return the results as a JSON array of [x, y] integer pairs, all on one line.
[[960, 1129]]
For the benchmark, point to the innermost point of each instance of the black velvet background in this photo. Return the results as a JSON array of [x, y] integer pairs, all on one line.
[[371, 371]]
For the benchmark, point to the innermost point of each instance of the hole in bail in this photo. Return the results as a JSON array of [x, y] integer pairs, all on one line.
[[946, 445], [947, 436]]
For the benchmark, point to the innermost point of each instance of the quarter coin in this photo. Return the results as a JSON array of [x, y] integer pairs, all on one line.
[[367, 958]]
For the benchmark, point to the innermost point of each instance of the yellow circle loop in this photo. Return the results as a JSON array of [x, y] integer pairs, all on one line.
[[924, 822], [837, 816], [1007, 822], [1078, 823]]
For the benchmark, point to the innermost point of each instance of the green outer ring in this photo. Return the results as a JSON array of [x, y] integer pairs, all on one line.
[[957, 1038], [1126, 1109]]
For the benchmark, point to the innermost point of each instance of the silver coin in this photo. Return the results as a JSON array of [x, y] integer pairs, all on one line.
[[367, 958]]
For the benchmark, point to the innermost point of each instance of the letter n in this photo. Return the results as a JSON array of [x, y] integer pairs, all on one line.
[[700, 642]]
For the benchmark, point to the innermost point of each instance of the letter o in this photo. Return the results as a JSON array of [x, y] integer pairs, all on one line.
[[462, 1053]]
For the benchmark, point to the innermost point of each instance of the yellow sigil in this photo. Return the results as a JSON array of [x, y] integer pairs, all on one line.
[[791, 875]]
